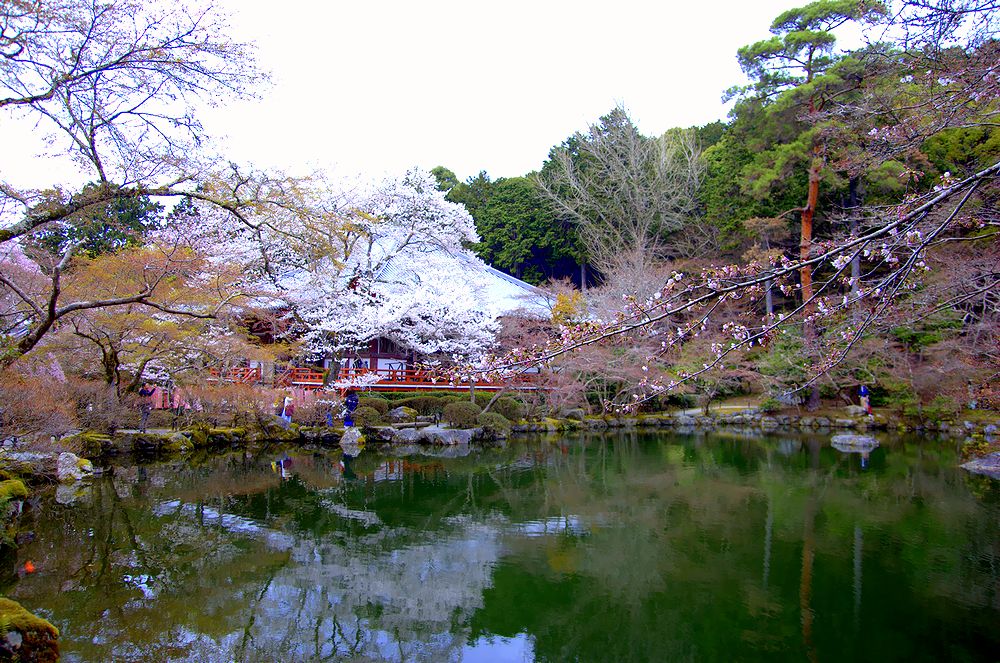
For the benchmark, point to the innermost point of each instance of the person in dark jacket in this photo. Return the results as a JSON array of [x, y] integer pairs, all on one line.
[[145, 405], [350, 405]]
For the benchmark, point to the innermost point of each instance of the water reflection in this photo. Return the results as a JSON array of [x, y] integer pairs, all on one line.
[[596, 548]]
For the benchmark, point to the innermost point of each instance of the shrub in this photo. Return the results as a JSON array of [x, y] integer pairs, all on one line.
[[509, 408], [682, 400], [409, 401], [313, 412], [380, 404], [393, 396], [424, 405], [976, 448], [493, 423], [893, 393], [929, 331], [462, 414], [366, 415], [941, 408], [240, 405], [98, 407], [770, 405]]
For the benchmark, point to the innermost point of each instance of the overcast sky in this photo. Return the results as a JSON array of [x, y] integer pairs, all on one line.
[[375, 87], [379, 86]]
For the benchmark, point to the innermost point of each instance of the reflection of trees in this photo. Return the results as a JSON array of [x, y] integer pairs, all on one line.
[[760, 546], [119, 582], [616, 547], [149, 577]]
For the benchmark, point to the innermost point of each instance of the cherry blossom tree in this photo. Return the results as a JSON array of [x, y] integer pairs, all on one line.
[[113, 88], [402, 271], [345, 263], [892, 250]]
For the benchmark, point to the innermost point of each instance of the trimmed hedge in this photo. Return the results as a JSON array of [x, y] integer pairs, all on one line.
[[511, 409], [424, 405], [380, 404], [367, 416], [493, 423], [462, 414]]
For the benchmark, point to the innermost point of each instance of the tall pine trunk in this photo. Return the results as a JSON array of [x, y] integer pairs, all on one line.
[[805, 273]]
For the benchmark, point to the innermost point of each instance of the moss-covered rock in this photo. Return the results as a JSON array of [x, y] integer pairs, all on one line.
[[88, 443], [178, 443], [403, 413], [220, 436], [199, 437], [71, 468], [26, 637], [552, 425], [12, 489]]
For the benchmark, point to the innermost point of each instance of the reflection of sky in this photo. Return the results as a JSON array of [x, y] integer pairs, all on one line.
[[550, 526], [361, 587], [500, 650], [381, 594]]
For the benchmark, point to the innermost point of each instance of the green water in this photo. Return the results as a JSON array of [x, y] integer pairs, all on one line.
[[605, 548]]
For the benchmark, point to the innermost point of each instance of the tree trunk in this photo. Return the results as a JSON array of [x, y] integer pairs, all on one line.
[[853, 202], [805, 240], [333, 370], [805, 249], [769, 298]]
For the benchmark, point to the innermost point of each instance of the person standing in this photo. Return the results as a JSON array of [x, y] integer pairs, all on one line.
[[865, 397], [145, 405], [288, 408], [350, 405]]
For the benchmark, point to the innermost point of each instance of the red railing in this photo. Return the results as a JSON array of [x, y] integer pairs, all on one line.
[[237, 375], [390, 379], [383, 379], [297, 376]]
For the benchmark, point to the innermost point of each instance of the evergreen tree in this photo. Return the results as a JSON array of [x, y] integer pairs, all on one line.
[[121, 223], [795, 74]]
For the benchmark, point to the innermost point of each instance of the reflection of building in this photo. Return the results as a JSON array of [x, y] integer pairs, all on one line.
[[377, 596], [390, 594]]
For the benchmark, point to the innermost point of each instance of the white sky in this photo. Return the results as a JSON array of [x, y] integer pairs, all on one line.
[[374, 87], [378, 86]]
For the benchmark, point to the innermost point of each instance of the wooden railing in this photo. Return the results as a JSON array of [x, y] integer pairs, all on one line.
[[298, 376], [237, 375], [392, 379], [383, 379]]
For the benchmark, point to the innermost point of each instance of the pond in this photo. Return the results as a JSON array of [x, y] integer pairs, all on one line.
[[627, 547]]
